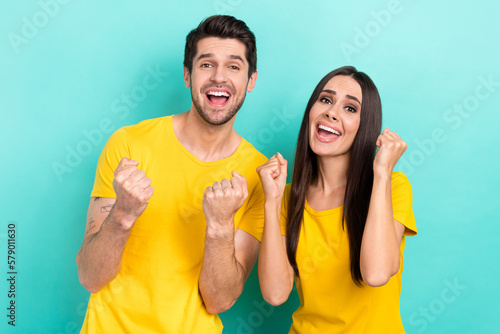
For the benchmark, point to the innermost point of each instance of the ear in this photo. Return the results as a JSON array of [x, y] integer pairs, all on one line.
[[251, 81], [187, 77]]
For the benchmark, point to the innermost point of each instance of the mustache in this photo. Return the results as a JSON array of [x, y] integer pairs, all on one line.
[[223, 86]]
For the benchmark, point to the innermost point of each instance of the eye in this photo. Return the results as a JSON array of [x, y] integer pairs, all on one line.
[[325, 100], [205, 65], [234, 67], [350, 109]]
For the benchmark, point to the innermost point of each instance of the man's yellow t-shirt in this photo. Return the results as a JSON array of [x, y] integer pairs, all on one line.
[[330, 302], [156, 289]]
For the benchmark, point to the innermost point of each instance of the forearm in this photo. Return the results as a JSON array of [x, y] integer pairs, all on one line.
[[99, 258], [222, 277], [380, 254], [275, 279]]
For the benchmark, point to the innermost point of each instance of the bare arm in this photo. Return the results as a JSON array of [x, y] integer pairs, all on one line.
[[380, 246], [229, 256], [226, 265], [109, 223], [275, 272], [103, 235]]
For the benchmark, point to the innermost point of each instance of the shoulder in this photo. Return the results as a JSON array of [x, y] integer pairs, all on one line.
[[146, 133], [399, 181], [148, 126], [250, 152]]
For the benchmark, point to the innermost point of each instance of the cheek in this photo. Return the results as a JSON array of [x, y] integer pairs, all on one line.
[[241, 84], [352, 125], [312, 129], [314, 113]]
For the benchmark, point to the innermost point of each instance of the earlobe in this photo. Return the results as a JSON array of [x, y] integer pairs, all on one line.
[[251, 81], [187, 77]]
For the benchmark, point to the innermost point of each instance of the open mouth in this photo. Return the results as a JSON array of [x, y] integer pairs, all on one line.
[[326, 133], [218, 98]]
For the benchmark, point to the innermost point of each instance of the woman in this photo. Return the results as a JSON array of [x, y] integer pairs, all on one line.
[[339, 227]]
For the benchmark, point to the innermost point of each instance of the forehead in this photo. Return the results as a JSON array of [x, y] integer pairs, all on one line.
[[220, 48], [344, 85]]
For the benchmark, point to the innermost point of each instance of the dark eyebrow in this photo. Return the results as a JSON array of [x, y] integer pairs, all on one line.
[[236, 57], [353, 98], [335, 93], [205, 55], [210, 55]]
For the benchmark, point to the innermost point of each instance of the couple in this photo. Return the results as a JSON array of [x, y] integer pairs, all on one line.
[[177, 213]]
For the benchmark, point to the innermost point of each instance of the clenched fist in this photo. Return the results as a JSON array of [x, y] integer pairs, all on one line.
[[391, 148], [221, 201], [133, 191], [273, 176]]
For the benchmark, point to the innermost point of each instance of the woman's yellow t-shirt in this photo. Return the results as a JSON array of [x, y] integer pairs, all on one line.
[[330, 301]]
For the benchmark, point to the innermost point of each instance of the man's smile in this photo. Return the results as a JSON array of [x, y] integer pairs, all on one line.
[[218, 97]]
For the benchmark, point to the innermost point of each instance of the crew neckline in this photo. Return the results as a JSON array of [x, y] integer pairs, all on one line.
[[171, 132], [323, 212]]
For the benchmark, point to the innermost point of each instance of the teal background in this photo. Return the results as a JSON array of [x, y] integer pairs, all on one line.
[[429, 60]]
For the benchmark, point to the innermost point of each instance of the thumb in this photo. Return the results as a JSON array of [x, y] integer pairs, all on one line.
[[283, 163], [242, 179], [281, 160], [124, 162], [243, 182], [129, 162]]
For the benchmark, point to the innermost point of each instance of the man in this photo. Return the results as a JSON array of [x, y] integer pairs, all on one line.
[[167, 246]]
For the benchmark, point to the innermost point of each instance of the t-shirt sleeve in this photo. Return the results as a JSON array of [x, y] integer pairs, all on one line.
[[402, 203], [117, 147], [252, 220], [255, 214]]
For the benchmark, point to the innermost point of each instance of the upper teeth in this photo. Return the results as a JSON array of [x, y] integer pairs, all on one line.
[[219, 93], [326, 128]]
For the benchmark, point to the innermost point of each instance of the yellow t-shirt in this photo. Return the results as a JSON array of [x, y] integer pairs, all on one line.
[[330, 301], [156, 289]]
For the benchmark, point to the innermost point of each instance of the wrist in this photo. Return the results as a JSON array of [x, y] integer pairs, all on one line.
[[273, 203], [220, 230], [123, 220], [382, 173]]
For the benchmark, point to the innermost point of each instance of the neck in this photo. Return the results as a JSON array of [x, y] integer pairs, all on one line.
[[206, 142], [332, 173]]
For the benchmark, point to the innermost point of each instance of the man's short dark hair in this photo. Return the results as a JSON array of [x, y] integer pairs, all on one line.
[[221, 26]]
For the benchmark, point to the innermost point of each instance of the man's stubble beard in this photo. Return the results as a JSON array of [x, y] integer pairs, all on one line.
[[206, 117]]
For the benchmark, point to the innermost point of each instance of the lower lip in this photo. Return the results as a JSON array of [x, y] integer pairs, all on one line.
[[326, 139], [217, 105]]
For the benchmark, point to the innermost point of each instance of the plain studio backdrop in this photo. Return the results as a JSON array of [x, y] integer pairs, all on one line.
[[72, 72]]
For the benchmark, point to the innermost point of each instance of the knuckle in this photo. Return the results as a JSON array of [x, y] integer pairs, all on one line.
[[134, 193], [119, 177], [127, 183]]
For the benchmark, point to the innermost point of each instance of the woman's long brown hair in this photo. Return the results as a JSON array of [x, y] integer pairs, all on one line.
[[359, 175]]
